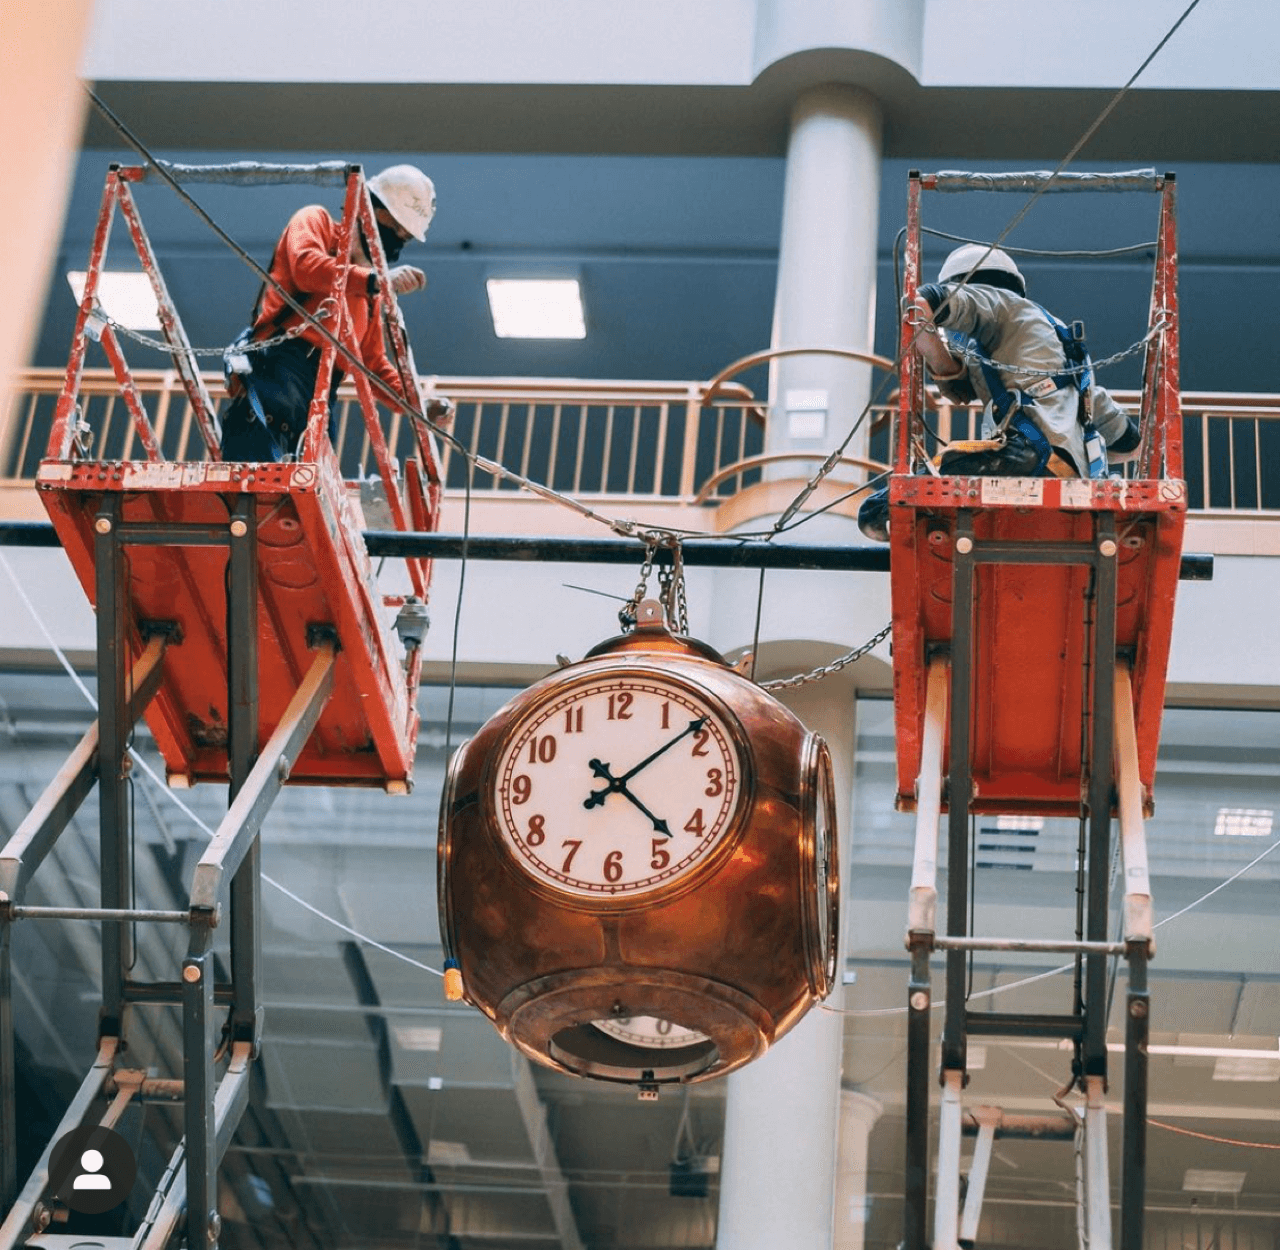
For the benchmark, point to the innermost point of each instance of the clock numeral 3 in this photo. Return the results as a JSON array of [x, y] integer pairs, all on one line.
[[715, 782], [537, 831]]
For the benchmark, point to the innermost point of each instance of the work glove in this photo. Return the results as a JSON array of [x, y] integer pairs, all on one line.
[[405, 278]]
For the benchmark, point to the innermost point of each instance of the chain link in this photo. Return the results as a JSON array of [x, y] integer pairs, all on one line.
[[827, 670], [246, 347]]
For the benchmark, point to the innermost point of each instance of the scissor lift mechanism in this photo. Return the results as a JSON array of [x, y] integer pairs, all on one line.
[[238, 611], [1031, 637]]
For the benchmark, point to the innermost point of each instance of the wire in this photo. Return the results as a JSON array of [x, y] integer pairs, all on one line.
[[1224, 1141]]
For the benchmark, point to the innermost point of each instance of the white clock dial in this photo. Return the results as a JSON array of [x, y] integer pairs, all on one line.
[[649, 1031], [618, 786]]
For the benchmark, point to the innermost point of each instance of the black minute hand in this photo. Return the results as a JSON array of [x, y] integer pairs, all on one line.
[[691, 728]]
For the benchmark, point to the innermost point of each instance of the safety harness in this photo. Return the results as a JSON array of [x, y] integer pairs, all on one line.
[[1009, 405]]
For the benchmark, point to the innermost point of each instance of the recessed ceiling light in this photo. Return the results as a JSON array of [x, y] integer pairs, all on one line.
[[417, 1036], [542, 308], [1245, 1068], [1244, 822], [125, 297], [1207, 1181]]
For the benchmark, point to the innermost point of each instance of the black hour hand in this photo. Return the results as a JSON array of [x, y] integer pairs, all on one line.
[[619, 785]]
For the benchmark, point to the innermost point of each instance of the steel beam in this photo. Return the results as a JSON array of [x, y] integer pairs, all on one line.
[[112, 603], [239, 828], [916, 1181], [242, 754]]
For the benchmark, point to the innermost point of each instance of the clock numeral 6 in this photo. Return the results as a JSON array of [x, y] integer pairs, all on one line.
[[537, 831], [715, 782], [521, 788], [661, 856], [613, 866]]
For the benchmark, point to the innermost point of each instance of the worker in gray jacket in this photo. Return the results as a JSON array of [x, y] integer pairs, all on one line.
[[981, 338]]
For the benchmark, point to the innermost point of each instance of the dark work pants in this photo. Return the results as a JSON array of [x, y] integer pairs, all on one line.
[[283, 380]]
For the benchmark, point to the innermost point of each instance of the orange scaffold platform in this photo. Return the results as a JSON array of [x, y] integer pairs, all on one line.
[[1031, 630], [309, 577]]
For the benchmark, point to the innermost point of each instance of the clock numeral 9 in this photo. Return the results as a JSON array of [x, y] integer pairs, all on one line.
[[521, 788], [661, 856], [613, 866], [715, 782], [542, 750], [620, 705], [537, 834]]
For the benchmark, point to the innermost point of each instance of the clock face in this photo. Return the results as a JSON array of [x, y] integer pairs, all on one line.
[[822, 898], [650, 1032], [619, 785]]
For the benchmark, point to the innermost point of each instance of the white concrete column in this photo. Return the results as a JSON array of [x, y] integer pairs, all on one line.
[[782, 1118], [826, 270], [858, 1116]]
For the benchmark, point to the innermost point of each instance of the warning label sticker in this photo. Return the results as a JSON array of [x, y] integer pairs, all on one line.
[[1077, 493], [1018, 491]]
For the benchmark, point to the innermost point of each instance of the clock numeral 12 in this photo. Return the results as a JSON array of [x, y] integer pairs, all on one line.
[[620, 705]]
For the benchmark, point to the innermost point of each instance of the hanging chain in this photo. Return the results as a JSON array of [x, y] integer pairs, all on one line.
[[629, 613], [671, 580], [246, 347], [843, 661]]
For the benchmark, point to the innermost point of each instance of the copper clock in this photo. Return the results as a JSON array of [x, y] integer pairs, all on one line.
[[636, 865]]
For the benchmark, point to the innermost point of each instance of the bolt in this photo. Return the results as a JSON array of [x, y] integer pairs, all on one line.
[[1138, 1008], [238, 529], [919, 1001], [191, 973], [1107, 547], [215, 1227], [102, 525], [964, 545]]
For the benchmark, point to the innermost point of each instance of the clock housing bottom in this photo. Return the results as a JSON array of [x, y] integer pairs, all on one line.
[[551, 1020]]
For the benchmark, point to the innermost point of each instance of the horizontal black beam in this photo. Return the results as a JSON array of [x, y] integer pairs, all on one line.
[[726, 552]]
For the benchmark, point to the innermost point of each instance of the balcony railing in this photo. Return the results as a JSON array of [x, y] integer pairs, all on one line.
[[652, 440]]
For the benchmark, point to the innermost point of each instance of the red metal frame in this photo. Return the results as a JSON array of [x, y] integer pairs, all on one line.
[[1030, 619], [313, 567]]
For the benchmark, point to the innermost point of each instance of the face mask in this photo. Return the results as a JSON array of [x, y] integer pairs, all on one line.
[[392, 243]]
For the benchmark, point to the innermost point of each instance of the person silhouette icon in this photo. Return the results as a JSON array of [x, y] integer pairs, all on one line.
[[91, 1177]]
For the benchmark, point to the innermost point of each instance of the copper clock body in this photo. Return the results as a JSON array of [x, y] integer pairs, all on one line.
[[662, 914]]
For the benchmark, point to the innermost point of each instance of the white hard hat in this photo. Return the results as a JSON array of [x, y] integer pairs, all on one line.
[[408, 195], [958, 264]]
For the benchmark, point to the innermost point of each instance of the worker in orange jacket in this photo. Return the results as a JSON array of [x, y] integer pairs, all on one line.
[[272, 387]]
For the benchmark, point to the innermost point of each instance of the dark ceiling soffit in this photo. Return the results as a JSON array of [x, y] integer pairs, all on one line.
[[986, 123]]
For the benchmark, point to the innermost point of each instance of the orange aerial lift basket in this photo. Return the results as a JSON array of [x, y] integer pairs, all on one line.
[[246, 569], [1015, 579]]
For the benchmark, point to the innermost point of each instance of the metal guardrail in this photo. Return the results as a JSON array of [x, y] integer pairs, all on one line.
[[644, 439]]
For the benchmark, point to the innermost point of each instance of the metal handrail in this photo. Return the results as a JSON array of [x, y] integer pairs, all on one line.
[[778, 457]]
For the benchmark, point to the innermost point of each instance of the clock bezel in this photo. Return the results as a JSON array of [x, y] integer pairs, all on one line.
[[639, 897], [818, 794]]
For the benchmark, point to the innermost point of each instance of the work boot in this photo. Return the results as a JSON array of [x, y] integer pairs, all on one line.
[[1017, 458], [873, 516]]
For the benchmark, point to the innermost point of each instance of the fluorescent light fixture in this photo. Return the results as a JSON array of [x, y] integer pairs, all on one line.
[[1207, 1181], [1244, 822], [1245, 1068], [125, 297], [417, 1036], [541, 308], [1020, 824]]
